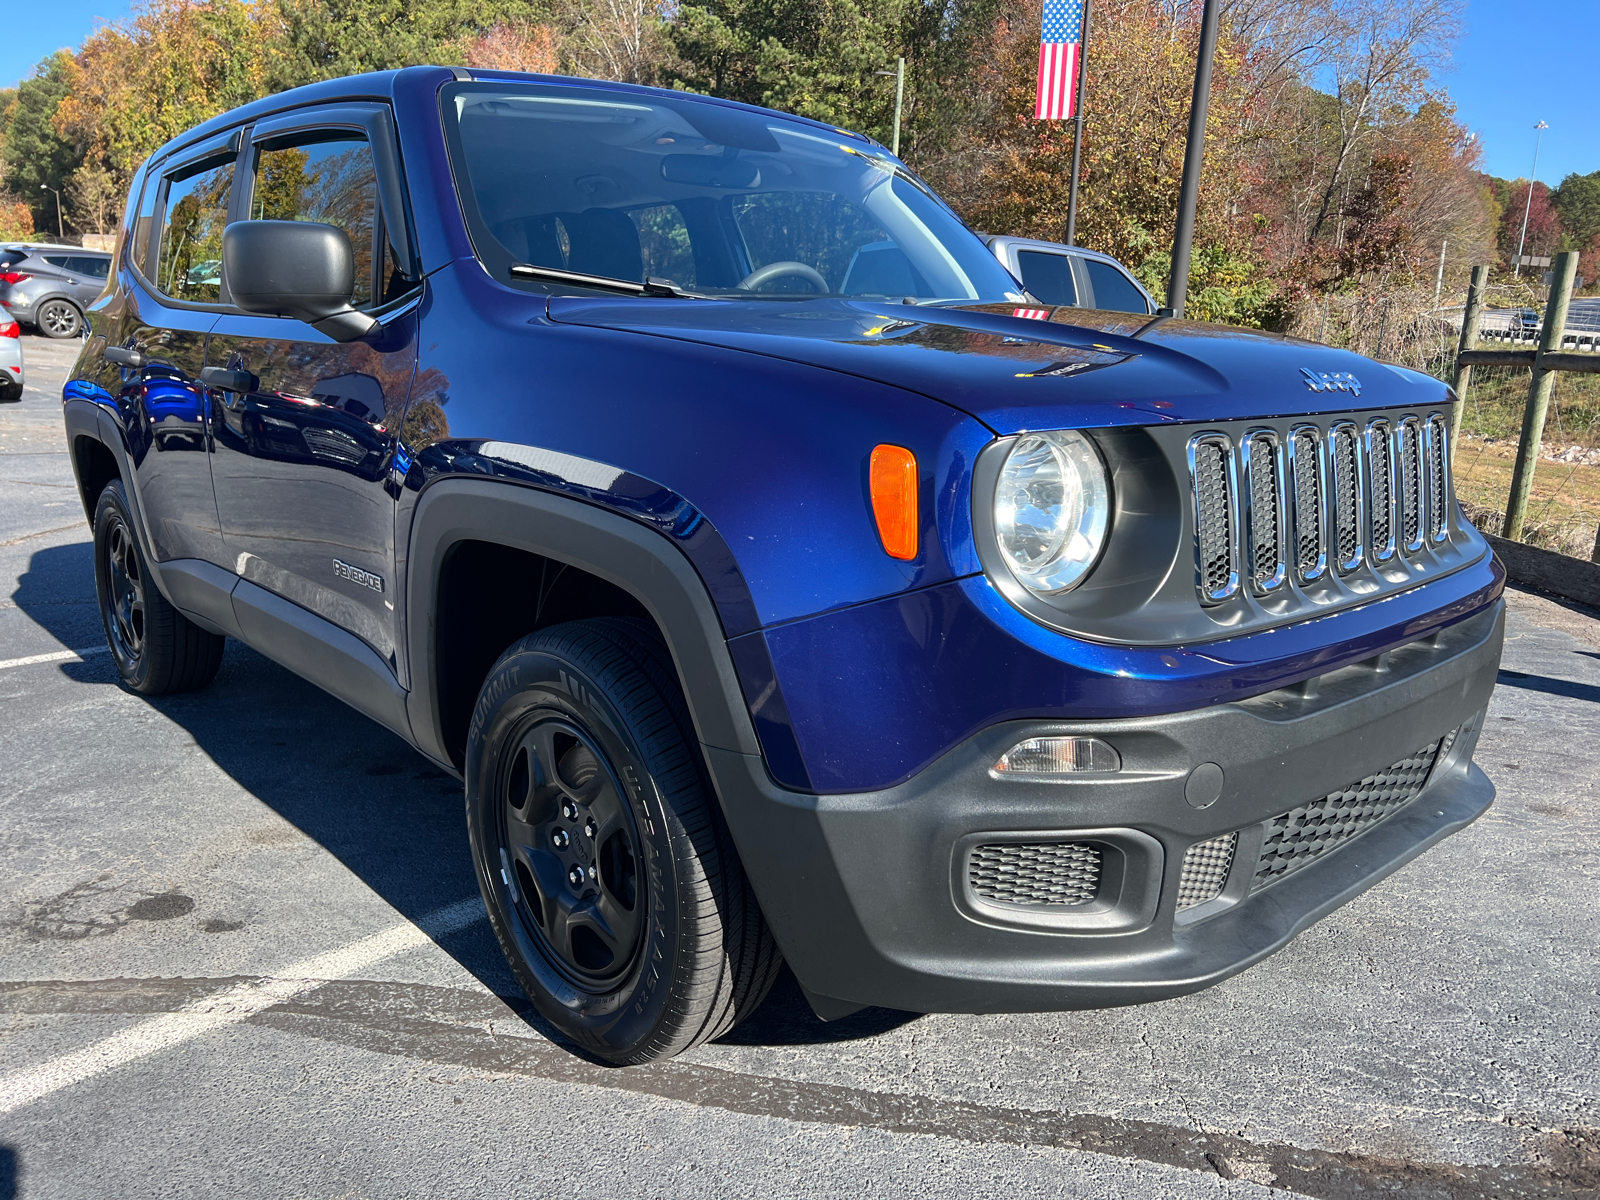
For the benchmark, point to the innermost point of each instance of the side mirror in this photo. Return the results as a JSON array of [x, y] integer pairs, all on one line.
[[297, 269]]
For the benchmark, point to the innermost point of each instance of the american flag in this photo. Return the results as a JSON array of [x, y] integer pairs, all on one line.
[[1058, 59]]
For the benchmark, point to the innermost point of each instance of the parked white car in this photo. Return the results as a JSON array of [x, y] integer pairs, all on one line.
[[1057, 274], [10, 360]]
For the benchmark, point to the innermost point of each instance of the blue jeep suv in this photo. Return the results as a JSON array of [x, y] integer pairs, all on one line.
[[783, 581]]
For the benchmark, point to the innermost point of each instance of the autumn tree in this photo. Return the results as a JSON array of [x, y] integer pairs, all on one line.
[[35, 155]]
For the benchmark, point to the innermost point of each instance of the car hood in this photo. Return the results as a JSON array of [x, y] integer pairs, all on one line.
[[1019, 368]]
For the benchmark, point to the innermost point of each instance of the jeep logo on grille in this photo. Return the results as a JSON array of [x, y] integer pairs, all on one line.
[[1331, 381], [356, 575]]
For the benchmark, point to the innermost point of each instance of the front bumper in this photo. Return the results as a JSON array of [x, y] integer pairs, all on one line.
[[868, 894]]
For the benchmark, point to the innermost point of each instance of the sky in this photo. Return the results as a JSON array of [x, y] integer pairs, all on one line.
[[1517, 64]]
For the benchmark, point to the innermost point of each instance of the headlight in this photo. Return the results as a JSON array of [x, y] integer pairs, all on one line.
[[1050, 509]]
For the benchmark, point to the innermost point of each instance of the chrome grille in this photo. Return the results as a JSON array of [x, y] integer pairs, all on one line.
[[1412, 496], [1283, 503], [1205, 870], [1344, 459], [1299, 837], [1058, 874]]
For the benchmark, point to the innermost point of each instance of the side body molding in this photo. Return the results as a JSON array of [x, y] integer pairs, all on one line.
[[612, 547]]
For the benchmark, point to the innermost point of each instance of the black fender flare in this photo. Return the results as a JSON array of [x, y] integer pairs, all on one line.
[[621, 551]]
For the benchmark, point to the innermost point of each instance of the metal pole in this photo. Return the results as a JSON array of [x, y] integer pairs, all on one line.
[[899, 101], [1538, 132], [1438, 280], [1471, 315], [1077, 134], [1194, 152], [1555, 324]]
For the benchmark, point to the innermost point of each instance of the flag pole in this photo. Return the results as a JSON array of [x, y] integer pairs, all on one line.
[[1194, 151], [1077, 135]]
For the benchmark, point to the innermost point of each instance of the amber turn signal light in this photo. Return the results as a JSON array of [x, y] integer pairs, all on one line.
[[894, 499]]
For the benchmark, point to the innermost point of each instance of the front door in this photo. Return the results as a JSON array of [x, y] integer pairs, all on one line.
[[303, 457]]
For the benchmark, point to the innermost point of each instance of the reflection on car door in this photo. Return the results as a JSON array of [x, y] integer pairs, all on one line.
[[302, 457], [164, 406]]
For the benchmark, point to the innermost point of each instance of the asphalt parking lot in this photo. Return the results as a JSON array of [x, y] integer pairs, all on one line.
[[241, 953]]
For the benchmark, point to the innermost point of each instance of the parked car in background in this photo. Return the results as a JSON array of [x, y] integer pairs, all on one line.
[[1057, 274], [48, 287], [10, 360]]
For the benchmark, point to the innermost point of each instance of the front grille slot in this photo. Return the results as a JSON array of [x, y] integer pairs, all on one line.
[[1306, 486], [1380, 489], [1413, 497], [1211, 466], [1205, 870], [1035, 874], [1438, 455], [1344, 463], [1299, 837], [1266, 565]]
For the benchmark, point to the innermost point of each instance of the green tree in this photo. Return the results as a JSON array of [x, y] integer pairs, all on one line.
[[35, 153], [1578, 202]]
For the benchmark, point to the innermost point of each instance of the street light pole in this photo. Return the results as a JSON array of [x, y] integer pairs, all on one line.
[[1538, 132], [60, 232], [899, 74], [1194, 152]]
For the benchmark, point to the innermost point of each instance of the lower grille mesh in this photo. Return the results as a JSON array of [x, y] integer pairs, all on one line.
[[1035, 873], [1302, 835], [1205, 870]]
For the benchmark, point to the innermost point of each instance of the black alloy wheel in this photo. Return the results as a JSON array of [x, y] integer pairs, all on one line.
[[610, 879], [124, 594], [59, 319], [569, 839], [157, 649]]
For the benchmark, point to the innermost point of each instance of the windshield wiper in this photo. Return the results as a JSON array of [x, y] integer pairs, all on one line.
[[652, 286]]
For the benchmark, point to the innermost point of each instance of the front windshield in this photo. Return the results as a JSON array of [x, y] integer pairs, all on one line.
[[713, 199]]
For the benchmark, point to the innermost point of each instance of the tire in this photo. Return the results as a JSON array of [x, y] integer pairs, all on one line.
[[611, 881], [157, 649], [58, 319]]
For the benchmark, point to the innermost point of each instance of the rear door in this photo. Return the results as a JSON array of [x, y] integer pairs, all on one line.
[[302, 460]]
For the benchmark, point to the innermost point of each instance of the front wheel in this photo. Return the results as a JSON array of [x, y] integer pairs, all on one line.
[[59, 319], [610, 879], [157, 649]]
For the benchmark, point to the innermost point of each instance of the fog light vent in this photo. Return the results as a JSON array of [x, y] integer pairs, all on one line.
[[1035, 873], [1052, 757], [1205, 870]]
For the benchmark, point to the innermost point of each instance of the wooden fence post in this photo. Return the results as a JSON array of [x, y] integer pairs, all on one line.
[[1555, 324], [1471, 317]]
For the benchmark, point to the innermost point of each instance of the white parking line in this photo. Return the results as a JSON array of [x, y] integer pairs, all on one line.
[[54, 656], [230, 1006]]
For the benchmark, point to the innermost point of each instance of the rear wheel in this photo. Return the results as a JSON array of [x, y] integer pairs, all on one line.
[[156, 648], [59, 319], [611, 881]]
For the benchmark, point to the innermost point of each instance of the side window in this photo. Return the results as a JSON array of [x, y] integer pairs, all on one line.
[[91, 265], [1113, 291], [189, 262], [60, 260], [1048, 276], [327, 177]]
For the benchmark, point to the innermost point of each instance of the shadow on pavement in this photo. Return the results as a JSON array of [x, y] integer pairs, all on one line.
[[385, 812]]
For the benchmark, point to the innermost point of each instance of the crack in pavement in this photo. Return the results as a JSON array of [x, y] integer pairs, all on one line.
[[448, 1026]]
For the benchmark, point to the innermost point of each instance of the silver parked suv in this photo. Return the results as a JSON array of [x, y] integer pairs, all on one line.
[[1055, 274], [48, 287]]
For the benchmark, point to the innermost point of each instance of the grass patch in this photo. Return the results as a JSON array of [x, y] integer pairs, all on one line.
[[1563, 507]]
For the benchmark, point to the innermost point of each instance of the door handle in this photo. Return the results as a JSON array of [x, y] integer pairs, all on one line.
[[125, 357], [225, 379]]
